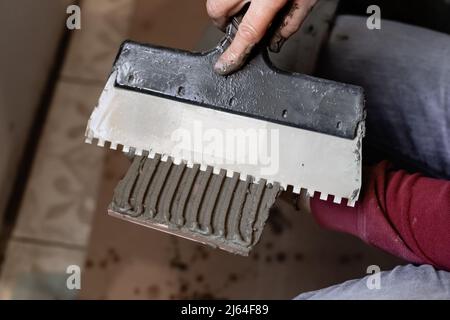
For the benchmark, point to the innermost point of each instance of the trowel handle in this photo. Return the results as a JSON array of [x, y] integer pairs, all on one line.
[[256, 90], [260, 49], [233, 27], [236, 20]]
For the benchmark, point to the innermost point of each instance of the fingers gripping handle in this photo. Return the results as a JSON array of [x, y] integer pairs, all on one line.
[[233, 28]]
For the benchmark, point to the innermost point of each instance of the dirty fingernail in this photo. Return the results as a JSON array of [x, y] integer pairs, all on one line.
[[234, 62], [276, 43], [224, 67], [221, 67]]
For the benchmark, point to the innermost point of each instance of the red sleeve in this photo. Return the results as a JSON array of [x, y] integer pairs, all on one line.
[[405, 214]]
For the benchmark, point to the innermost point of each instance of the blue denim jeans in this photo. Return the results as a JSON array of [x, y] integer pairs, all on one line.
[[405, 71], [403, 283]]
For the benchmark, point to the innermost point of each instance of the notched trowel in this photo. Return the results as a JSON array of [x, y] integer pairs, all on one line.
[[169, 109]]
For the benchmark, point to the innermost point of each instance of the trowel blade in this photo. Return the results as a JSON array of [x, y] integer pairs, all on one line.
[[149, 125]]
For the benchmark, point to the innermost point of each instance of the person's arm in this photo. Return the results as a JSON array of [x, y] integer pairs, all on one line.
[[405, 214], [254, 25]]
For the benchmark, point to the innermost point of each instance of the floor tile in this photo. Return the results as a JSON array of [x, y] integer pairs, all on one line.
[[104, 26], [61, 192], [34, 271]]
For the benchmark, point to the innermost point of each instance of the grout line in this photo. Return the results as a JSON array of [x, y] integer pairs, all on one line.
[[48, 243]]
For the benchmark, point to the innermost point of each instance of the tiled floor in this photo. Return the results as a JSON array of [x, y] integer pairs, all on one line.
[[37, 270], [54, 223], [92, 51], [61, 193], [71, 181]]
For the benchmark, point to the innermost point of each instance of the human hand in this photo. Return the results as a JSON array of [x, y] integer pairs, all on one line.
[[254, 25]]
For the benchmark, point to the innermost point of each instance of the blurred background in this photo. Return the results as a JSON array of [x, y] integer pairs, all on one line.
[[55, 189]]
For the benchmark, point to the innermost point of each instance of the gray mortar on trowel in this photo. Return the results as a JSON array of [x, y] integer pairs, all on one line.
[[213, 209]]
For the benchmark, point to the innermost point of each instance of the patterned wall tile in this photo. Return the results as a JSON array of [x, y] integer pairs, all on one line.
[[62, 189], [169, 23], [54, 221], [34, 271], [104, 26]]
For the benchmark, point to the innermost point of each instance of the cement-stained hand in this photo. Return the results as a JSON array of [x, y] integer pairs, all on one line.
[[254, 25]]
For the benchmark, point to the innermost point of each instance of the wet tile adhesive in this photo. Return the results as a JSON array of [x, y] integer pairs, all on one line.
[[312, 127], [213, 209]]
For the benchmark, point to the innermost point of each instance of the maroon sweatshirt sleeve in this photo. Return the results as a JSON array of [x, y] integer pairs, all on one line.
[[405, 214]]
